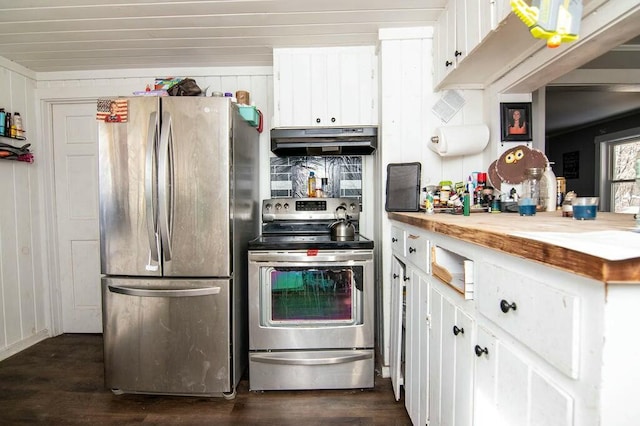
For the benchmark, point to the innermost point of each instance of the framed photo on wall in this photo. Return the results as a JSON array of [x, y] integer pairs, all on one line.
[[515, 121]]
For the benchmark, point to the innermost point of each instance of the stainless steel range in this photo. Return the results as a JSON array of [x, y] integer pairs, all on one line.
[[310, 298]]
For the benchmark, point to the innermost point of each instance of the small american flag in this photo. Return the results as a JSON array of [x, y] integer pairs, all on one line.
[[112, 110]]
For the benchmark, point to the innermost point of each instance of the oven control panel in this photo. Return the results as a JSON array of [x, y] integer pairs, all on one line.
[[309, 208]]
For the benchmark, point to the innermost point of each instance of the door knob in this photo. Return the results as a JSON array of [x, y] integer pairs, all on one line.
[[457, 330]]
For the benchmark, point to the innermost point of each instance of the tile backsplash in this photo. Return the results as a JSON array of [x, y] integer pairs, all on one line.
[[289, 175]]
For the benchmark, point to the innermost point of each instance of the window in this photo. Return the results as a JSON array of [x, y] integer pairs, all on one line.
[[619, 192]]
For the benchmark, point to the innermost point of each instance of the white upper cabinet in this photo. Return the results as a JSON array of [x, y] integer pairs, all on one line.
[[325, 86], [463, 26]]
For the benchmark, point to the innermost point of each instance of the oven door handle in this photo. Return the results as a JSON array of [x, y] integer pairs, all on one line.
[[284, 360]]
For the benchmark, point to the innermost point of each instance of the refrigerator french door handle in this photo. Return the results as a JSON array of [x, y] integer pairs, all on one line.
[[164, 195], [182, 292], [149, 189], [275, 359]]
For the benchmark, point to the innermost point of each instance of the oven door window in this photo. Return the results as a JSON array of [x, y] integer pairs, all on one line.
[[312, 296]]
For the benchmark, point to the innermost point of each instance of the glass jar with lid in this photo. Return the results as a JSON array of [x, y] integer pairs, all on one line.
[[530, 200]]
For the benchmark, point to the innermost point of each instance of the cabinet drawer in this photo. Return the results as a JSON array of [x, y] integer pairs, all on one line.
[[417, 250], [398, 241], [543, 318]]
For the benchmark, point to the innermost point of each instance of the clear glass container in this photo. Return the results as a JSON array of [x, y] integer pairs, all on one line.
[[530, 201]]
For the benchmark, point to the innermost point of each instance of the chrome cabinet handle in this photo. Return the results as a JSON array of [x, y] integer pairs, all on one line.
[[405, 278], [505, 306], [395, 276], [457, 330], [394, 240], [447, 64], [412, 250]]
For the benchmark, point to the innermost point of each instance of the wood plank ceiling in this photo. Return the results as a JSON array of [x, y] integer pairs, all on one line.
[[68, 35]]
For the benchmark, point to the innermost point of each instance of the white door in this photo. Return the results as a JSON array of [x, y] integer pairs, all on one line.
[[75, 150]]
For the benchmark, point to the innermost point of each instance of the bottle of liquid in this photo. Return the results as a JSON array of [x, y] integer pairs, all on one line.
[[466, 204], [7, 125], [324, 185], [3, 116], [17, 122], [311, 185], [548, 189]]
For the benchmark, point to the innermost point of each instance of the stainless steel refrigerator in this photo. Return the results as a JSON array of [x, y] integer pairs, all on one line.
[[178, 204]]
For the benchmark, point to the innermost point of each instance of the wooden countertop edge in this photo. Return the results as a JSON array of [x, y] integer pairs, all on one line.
[[608, 271]]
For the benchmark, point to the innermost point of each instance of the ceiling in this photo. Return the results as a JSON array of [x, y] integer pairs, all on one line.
[[77, 35], [66, 35], [590, 94]]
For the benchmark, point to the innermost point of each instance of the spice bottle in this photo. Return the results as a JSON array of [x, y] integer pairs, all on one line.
[[17, 123]]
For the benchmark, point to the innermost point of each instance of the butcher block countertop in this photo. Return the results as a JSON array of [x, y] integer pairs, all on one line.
[[604, 249]]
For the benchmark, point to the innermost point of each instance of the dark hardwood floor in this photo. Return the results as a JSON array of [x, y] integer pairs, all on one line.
[[61, 381]]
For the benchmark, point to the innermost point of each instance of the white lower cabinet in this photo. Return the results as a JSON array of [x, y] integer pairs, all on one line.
[[451, 339], [409, 345], [509, 391], [416, 347], [397, 326], [526, 350]]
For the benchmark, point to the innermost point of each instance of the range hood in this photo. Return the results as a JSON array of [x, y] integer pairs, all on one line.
[[352, 140]]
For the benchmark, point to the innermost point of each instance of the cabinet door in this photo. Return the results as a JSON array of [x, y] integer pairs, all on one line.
[[436, 357], [416, 348], [462, 29], [463, 332], [325, 86], [396, 313], [450, 363], [508, 391]]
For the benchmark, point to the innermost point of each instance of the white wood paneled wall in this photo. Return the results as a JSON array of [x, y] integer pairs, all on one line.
[[407, 124], [23, 282], [258, 81], [406, 96], [27, 276]]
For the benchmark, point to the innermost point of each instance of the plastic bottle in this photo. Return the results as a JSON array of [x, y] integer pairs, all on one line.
[[7, 125], [548, 189], [311, 187], [466, 207], [3, 116], [17, 122]]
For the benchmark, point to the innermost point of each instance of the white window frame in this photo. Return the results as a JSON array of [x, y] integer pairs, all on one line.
[[603, 162]]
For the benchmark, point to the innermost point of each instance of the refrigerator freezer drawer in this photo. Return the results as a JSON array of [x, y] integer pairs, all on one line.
[[166, 336], [327, 369]]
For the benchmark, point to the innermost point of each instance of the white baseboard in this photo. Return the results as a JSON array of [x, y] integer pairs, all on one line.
[[14, 348]]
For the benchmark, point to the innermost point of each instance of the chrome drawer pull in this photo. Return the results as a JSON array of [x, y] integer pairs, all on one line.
[[457, 330]]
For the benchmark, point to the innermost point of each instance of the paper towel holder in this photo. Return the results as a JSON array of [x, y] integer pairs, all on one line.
[[460, 140]]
